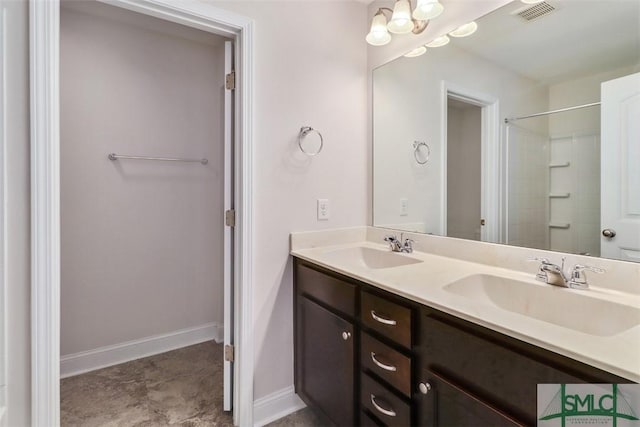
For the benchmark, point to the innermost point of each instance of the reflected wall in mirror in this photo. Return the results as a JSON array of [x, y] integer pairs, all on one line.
[[531, 128]]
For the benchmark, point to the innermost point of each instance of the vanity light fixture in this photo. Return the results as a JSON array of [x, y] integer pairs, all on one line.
[[464, 30], [420, 50], [403, 20], [438, 41], [428, 9]]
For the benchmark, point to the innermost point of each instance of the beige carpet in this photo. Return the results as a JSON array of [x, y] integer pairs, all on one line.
[[169, 389]]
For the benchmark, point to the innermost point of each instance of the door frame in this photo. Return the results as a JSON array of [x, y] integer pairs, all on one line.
[[44, 35], [3, 216], [491, 161]]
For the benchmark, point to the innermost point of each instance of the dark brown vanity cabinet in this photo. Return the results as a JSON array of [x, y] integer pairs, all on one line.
[[325, 344], [326, 348], [469, 375], [364, 356]]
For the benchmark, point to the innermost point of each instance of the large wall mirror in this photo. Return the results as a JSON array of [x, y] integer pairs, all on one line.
[[526, 133]]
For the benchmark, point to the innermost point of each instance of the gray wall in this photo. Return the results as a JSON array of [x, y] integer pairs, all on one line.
[[18, 213], [142, 242], [464, 171]]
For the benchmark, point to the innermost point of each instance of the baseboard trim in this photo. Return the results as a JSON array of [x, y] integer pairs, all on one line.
[[275, 406], [87, 361]]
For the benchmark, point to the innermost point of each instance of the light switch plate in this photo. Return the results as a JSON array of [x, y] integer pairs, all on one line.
[[404, 207], [323, 209]]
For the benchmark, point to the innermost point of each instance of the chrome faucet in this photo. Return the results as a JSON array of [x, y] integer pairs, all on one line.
[[554, 274], [405, 246]]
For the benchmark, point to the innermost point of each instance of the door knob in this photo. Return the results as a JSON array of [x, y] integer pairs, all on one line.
[[346, 335], [609, 233]]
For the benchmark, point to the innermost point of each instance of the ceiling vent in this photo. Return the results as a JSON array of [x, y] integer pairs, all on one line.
[[536, 11]]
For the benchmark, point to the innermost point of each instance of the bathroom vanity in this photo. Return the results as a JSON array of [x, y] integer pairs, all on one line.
[[371, 352]]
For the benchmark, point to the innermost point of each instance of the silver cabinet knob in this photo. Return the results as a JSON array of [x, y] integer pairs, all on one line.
[[424, 388], [346, 335], [609, 233]]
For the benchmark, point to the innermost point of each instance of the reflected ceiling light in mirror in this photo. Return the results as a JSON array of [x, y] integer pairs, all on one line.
[[378, 35], [464, 30], [438, 42], [402, 20], [427, 9], [416, 52]]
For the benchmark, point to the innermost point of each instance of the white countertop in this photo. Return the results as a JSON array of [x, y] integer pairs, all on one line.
[[424, 283]]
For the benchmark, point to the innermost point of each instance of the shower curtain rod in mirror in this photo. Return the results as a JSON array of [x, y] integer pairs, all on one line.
[[546, 113]]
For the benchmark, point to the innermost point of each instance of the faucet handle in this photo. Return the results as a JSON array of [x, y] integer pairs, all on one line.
[[580, 267], [541, 276], [578, 278], [407, 245], [540, 260]]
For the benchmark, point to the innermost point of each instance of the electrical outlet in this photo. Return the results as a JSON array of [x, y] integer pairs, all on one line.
[[323, 209], [404, 207]]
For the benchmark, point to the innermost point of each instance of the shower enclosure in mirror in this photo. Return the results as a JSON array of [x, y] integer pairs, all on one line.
[[530, 129]]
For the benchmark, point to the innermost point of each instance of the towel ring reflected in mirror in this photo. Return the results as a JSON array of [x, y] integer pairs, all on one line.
[[304, 131], [416, 152]]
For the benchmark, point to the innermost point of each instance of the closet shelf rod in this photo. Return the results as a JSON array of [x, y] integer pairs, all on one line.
[[114, 156], [546, 113]]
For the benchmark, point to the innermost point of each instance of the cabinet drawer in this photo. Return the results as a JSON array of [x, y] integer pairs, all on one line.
[[367, 420], [386, 406], [387, 363], [334, 292], [389, 318]]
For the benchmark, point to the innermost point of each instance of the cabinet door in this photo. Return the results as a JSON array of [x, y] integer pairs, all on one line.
[[447, 405], [325, 362]]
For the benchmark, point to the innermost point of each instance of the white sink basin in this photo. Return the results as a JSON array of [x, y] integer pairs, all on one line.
[[369, 258], [573, 309]]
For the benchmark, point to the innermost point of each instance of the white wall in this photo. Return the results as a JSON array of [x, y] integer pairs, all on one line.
[[142, 242], [310, 69], [464, 171], [409, 106], [17, 195]]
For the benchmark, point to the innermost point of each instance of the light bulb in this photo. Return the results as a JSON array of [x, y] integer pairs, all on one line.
[[416, 52], [464, 30], [401, 22], [427, 9], [378, 35], [438, 41]]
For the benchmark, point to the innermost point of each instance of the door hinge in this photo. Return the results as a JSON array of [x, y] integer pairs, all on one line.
[[228, 353], [483, 222], [230, 81], [230, 218]]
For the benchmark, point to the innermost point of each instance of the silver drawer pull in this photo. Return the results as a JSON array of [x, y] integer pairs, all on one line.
[[382, 365], [388, 412], [382, 319]]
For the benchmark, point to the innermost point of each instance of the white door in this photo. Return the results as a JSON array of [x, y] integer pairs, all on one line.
[[620, 211], [228, 228]]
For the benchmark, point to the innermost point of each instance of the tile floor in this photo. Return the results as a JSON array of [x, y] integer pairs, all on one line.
[[169, 389]]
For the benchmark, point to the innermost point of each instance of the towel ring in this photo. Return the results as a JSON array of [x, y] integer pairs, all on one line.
[[416, 149], [304, 131]]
